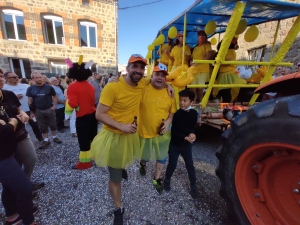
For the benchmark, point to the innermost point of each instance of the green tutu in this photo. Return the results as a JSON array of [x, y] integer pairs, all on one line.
[[155, 148], [115, 150]]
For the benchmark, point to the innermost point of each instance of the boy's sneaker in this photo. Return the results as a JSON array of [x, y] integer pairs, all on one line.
[[194, 192], [16, 221], [118, 213], [124, 174], [57, 140], [74, 134], [167, 185], [35, 209], [142, 169], [158, 185], [44, 144]]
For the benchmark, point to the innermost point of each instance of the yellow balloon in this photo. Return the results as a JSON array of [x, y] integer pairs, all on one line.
[[155, 42], [251, 34], [161, 39], [214, 41], [172, 33], [149, 55], [241, 27], [150, 47], [210, 27]]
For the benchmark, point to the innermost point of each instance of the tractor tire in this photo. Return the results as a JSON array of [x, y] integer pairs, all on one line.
[[259, 164]]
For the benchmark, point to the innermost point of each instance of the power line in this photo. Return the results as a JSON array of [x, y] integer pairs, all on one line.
[[129, 7]]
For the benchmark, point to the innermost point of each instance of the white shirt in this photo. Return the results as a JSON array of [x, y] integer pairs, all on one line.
[[20, 89]]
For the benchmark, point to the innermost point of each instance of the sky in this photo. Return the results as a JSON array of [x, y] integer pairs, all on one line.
[[138, 27]]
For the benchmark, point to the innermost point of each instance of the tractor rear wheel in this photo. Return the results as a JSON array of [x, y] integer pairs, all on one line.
[[259, 164]]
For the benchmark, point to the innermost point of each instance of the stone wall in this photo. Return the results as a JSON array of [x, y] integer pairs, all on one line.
[[40, 54], [266, 38]]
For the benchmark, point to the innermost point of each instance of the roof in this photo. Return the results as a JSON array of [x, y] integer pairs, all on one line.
[[256, 12]]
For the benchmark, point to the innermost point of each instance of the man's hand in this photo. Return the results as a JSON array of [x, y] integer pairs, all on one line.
[[2, 122], [23, 117], [19, 96], [165, 127], [128, 128], [170, 90], [14, 122], [53, 107]]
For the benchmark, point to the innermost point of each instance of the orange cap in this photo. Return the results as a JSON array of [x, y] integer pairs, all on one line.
[[161, 67], [137, 58]]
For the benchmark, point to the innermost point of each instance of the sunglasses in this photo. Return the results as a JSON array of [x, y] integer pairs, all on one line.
[[162, 67], [15, 77]]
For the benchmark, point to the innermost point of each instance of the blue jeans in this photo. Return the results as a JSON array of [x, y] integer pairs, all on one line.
[[186, 152], [17, 190]]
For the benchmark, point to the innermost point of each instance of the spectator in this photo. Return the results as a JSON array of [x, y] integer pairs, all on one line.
[[60, 107], [73, 114], [20, 91], [42, 107], [16, 193], [97, 83], [63, 82], [24, 81]]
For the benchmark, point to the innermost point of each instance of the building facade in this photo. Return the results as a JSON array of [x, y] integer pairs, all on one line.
[[40, 35]]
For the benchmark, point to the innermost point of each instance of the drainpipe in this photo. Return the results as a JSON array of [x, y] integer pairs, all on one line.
[[116, 35]]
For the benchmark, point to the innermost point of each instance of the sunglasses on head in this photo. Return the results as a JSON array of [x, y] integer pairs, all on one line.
[[162, 67]]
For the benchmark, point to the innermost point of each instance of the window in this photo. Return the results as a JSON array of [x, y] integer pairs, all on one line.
[[21, 67], [58, 68], [53, 30], [14, 24], [86, 2], [256, 55], [88, 33]]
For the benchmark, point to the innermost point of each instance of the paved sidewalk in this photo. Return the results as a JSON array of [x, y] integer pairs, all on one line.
[[81, 197]]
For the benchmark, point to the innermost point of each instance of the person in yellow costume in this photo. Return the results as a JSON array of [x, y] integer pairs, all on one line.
[[176, 53], [164, 58], [227, 75], [201, 71], [156, 113], [117, 145]]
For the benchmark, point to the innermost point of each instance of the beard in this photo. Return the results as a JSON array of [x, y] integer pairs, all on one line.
[[133, 78]]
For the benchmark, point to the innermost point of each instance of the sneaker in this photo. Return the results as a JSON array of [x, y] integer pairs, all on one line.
[[167, 185], [40, 139], [44, 144], [158, 185], [37, 185], [57, 140], [118, 213], [142, 169], [194, 192], [74, 134], [124, 175], [35, 209], [16, 221]]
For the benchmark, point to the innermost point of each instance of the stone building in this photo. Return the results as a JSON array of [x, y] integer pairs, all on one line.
[[40, 35], [261, 48]]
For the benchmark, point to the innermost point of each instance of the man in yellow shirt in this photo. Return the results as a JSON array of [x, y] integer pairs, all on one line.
[[201, 71], [164, 58], [155, 115], [176, 54], [117, 145]]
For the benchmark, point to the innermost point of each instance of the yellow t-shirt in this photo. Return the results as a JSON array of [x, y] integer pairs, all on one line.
[[123, 100], [199, 54], [230, 56], [177, 55], [164, 57], [155, 106]]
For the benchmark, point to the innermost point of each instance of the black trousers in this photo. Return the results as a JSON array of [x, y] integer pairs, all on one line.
[[60, 117], [35, 127], [225, 94], [86, 128], [186, 152]]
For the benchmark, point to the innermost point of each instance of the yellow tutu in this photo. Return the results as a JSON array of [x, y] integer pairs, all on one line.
[[231, 78], [155, 148], [115, 150]]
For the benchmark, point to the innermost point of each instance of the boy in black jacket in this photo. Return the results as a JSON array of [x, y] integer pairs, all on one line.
[[182, 138]]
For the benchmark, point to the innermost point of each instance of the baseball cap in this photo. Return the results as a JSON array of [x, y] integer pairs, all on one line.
[[136, 58], [161, 67]]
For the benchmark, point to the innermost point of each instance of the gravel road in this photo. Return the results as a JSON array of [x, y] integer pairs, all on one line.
[[81, 197]]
